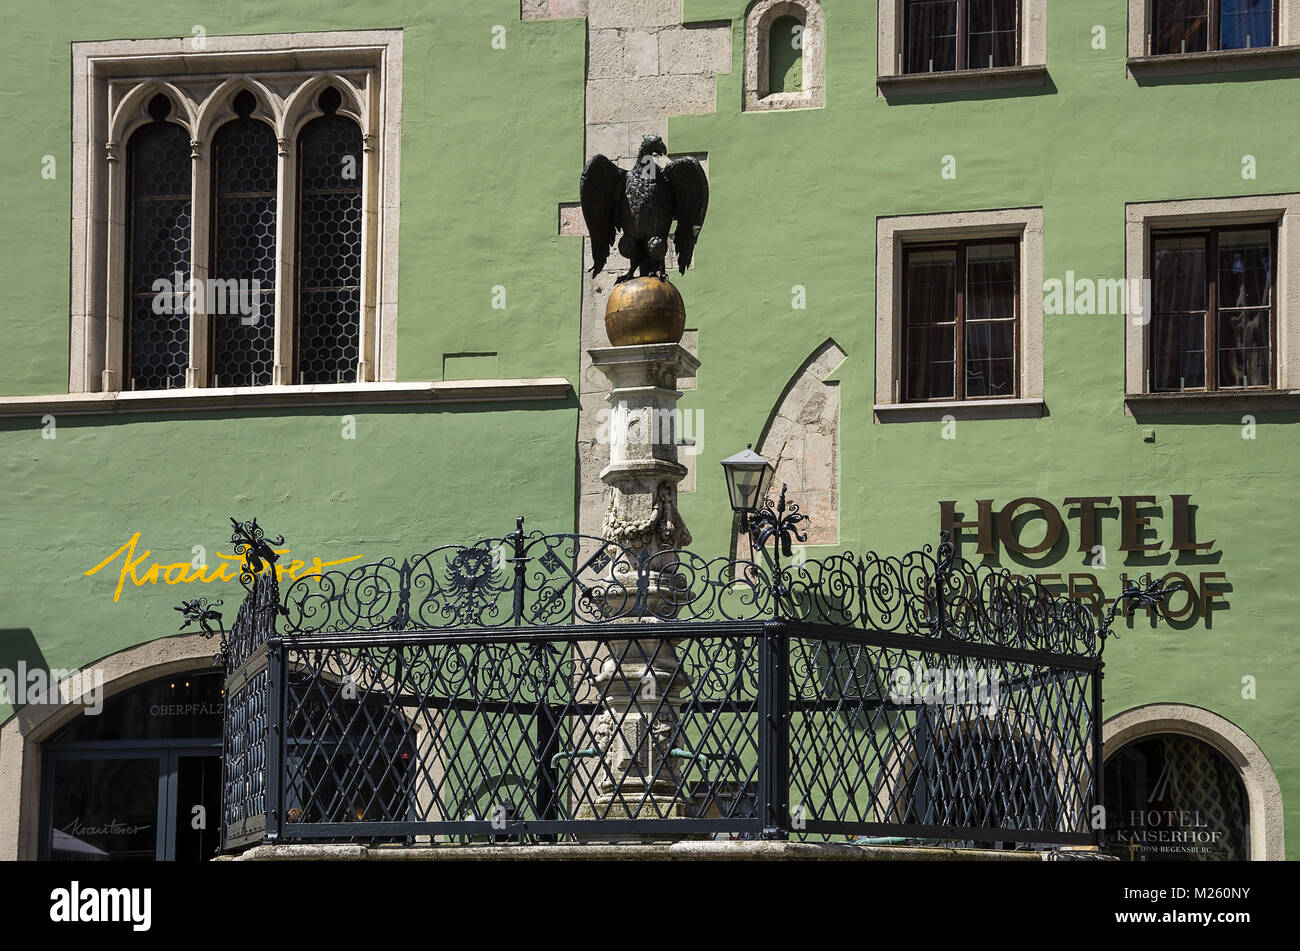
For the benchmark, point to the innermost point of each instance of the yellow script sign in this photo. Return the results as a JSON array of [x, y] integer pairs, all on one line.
[[185, 572]]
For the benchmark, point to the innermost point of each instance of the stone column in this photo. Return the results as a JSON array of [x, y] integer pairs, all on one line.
[[641, 678]]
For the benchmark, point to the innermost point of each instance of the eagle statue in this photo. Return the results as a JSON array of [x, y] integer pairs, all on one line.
[[642, 202]]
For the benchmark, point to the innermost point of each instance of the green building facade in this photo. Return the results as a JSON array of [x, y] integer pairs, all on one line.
[[839, 173]]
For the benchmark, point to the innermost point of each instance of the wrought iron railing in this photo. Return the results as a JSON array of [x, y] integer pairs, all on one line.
[[516, 690]]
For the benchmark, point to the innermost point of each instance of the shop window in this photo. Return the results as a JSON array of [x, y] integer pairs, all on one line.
[[1171, 797]]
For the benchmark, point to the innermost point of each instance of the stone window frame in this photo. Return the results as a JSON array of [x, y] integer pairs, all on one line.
[[758, 34], [1140, 220], [113, 82], [892, 81], [1142, 64], [892, 235], [1263, 793]]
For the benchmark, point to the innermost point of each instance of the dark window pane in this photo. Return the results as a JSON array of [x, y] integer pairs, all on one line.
[[931, 288], [1245, 269], [186, 706], [243, 252], [104, 810], [329, 250], [990, 281], [993, 33], [159, 232], [930, 362], [1178, 275], [1246, 24], [1244, 348], [990, 358], [930, 36], [1177, 352], [1180, 26]]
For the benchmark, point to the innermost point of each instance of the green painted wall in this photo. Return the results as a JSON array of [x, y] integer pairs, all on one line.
[[491, 141], [795, 197], [483, 168]]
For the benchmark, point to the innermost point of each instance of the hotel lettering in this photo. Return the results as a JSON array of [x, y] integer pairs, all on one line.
[[1117, 538]]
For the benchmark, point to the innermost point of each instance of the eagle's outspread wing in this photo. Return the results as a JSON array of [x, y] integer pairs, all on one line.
[[601, 190], [691, 202]]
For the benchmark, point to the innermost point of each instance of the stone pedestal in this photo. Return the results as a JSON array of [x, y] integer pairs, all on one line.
[[642, 680]]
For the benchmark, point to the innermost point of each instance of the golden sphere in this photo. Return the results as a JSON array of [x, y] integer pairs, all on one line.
[[644, 310]]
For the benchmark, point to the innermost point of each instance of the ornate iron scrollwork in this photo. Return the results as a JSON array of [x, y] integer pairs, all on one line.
[[201, 611], [250, 541]]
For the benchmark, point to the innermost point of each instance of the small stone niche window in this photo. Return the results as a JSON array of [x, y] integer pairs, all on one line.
[[784, 55]]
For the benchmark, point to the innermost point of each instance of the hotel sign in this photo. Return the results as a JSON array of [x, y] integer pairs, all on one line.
[[1144, 533]]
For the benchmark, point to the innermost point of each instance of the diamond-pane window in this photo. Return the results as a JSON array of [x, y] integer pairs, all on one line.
[[329, 247], [158, 245], [243, 251]]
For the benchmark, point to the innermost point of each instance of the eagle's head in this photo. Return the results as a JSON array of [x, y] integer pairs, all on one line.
[[652, 145]]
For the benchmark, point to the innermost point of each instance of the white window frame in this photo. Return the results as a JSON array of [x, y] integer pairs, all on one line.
[[893, 235], [1141, 219], [892, 80], [113, 83]]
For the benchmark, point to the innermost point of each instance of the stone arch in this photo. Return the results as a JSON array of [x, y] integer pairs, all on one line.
[[759, 20], [801, 439], [22, 735], [1267, 830]]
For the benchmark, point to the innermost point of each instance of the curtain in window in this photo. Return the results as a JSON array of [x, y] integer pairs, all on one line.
[[243, 252], [1245, 301], [993, 32], [158, 246], [1178, 324], [1245, 24], [1180, 26], [931, 324], [329, 250], [930, 36]]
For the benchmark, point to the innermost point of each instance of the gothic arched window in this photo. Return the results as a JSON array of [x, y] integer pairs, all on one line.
[[329, 246], [158, 252], [242, 276]]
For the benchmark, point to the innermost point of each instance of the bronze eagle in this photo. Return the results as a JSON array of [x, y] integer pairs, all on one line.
[[642, 202]]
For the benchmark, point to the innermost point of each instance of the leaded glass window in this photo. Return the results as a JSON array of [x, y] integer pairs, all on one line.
[[329, 246], [158, 252], [243, 249]]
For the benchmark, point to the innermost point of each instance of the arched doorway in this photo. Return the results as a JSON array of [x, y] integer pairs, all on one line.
[[1175, 798], [140, 780], [1182, 783]]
